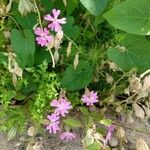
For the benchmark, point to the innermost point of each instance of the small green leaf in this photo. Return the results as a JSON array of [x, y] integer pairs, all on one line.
[[75, 79], [24, 46], [106, 122], [72, 122], [94, 146], [95, 7], [131, 16]]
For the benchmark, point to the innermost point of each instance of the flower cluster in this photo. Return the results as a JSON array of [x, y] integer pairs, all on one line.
[[89, 98], [62, 107], [44, 38]]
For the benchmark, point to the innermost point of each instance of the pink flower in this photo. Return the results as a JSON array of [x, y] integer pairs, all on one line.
[[55, 24], [110, 131], [90, 98], [43, 37], [53, 127], [68, 136], [62, 106]]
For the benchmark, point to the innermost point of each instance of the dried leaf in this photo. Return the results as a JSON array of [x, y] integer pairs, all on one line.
[[109, 79], [139, 112], [31, 131], [56, 56], [120, 132], [65, 2], [76, 61], [141, 144], [8, 7], [11, 134], [69, 49]]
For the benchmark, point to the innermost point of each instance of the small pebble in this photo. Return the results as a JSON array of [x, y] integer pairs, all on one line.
[[113, 142]]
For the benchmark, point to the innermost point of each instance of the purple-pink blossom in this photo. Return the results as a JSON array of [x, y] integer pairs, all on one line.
[[53, 127], [110, 130], [62, 106], [43, 36], [90, 98], [68, 136], [55, 23]]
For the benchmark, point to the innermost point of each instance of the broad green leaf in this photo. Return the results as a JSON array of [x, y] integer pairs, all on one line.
[[24, 46], [71, 5], [47, 4], [75, 79], [28, 21], [136, 53], [131, 16], [95, 7], [72, 122], [41, 55], [70, 29]]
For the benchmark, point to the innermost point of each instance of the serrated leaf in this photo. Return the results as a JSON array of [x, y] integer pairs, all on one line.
[[131, 16], [72, 122], [136, 53], [78, 78], [95, 7], [24, 46]]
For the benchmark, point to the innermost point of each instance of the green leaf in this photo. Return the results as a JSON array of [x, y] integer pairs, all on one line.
[[70, 29], [71, 5], [75, 79], [94, 146], [72, 122], [3, 58], [47, 4], [131, 16], [106, 122], [95, 7], [28, 21], [24, 46], [41, 55], [136, 53]]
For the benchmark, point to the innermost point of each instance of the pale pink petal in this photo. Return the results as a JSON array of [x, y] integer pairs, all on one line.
[[62, 21], [49, 18], [56, 13]]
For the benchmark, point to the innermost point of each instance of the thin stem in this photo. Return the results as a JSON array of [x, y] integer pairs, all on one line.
[[72, 41], [39, 15], [13, 20], [52, 58]]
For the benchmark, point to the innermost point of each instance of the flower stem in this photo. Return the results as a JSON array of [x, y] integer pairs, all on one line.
[[39, 15]]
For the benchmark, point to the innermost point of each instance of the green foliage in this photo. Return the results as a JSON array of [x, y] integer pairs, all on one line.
[[78, 78], [72, 122], [24, 47], [47, 91], [70, 29], [134, 53], [95, 7], [131, 16], [94, 146]]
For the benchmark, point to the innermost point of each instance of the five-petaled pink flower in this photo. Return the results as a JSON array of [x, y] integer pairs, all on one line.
[[90, 98], [68, 136], [55, 23], [43, 36], [62, 106], [53, 127]]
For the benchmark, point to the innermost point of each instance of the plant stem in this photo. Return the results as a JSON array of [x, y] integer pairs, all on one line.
[[39, 15]]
